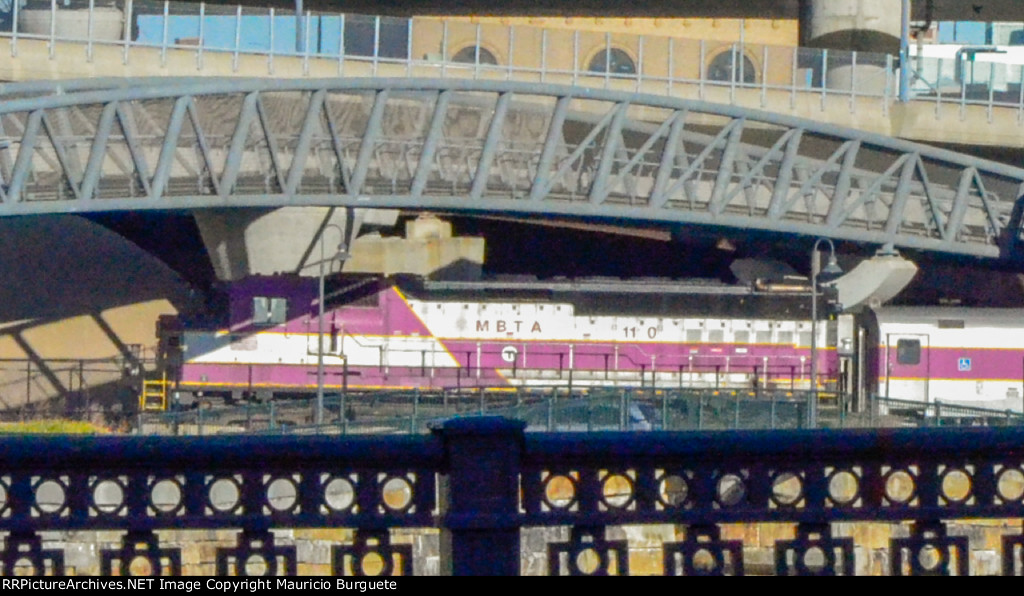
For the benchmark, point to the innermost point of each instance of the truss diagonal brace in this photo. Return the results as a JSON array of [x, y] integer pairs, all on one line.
[[541, 183]]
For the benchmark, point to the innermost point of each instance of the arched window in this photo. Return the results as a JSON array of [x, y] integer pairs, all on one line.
[[468, 55], [614, 61], [722, 68]]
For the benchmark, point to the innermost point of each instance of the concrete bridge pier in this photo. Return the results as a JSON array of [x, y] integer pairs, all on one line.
[[869, 27], [245, 242]]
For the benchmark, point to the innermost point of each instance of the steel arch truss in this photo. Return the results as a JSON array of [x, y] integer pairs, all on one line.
[[489, 146]]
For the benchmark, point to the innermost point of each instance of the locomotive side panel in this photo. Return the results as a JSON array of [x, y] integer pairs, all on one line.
[[384, 339], [523, 343]]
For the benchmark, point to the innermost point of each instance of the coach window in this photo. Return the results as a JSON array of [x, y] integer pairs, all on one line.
[[724, 67], [269, 311], [613, 61], [468, 55], [908, 351]]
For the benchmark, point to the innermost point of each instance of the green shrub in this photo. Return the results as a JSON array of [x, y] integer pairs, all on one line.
[[52, 427]]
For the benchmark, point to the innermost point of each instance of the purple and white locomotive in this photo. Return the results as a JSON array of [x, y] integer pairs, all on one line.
[[382, 333]]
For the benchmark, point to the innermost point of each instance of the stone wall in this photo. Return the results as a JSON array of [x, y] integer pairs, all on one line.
[[313, 547]]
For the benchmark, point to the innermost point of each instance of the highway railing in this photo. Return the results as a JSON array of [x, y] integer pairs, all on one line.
[[361, 45]]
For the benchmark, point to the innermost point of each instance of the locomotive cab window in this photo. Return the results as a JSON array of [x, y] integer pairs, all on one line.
[[269, 311], [908, 351]]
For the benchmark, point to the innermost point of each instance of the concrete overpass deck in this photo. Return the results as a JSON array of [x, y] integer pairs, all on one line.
[[840, 88]]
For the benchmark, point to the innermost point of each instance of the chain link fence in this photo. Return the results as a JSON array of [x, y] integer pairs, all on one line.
[[556, 409]]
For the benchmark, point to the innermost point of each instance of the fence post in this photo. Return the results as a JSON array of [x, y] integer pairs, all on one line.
[[88, 31], [14, 30], [83, 390], [664, 410], [415, 410], [53, 27], [479, 496], [551, 408], [28, 380], [343, 414], [127, 30], [623, 406]]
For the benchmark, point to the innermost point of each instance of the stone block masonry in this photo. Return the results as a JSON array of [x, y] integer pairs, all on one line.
[[313, 547]]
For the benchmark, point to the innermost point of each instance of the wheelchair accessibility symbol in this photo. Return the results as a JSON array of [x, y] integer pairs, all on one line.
[[963, 364]]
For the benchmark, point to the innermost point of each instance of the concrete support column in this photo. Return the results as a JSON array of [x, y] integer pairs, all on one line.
[[869, 27], [859, 25], [244, 242]]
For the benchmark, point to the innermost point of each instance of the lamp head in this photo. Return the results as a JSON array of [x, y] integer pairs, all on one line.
[[832, 270]]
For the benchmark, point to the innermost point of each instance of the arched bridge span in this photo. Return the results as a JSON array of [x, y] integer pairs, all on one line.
[[489, 146]]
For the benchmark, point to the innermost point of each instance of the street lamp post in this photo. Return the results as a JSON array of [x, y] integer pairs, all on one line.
[[342, 254], [832, 270]]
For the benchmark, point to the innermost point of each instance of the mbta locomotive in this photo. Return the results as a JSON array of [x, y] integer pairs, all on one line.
[[395, 333]]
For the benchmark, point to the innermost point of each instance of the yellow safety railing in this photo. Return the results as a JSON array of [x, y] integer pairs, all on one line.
[[154, 394]]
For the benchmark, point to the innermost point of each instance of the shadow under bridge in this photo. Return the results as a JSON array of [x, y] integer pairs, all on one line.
[[489, 146]]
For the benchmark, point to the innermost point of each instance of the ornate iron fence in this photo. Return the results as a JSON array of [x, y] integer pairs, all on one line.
[[482, 481]]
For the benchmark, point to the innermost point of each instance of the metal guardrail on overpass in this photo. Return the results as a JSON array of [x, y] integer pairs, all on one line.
[[460, 145], [214, 39]]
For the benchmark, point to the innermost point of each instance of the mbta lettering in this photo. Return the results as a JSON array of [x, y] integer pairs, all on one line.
[[502, 326]]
